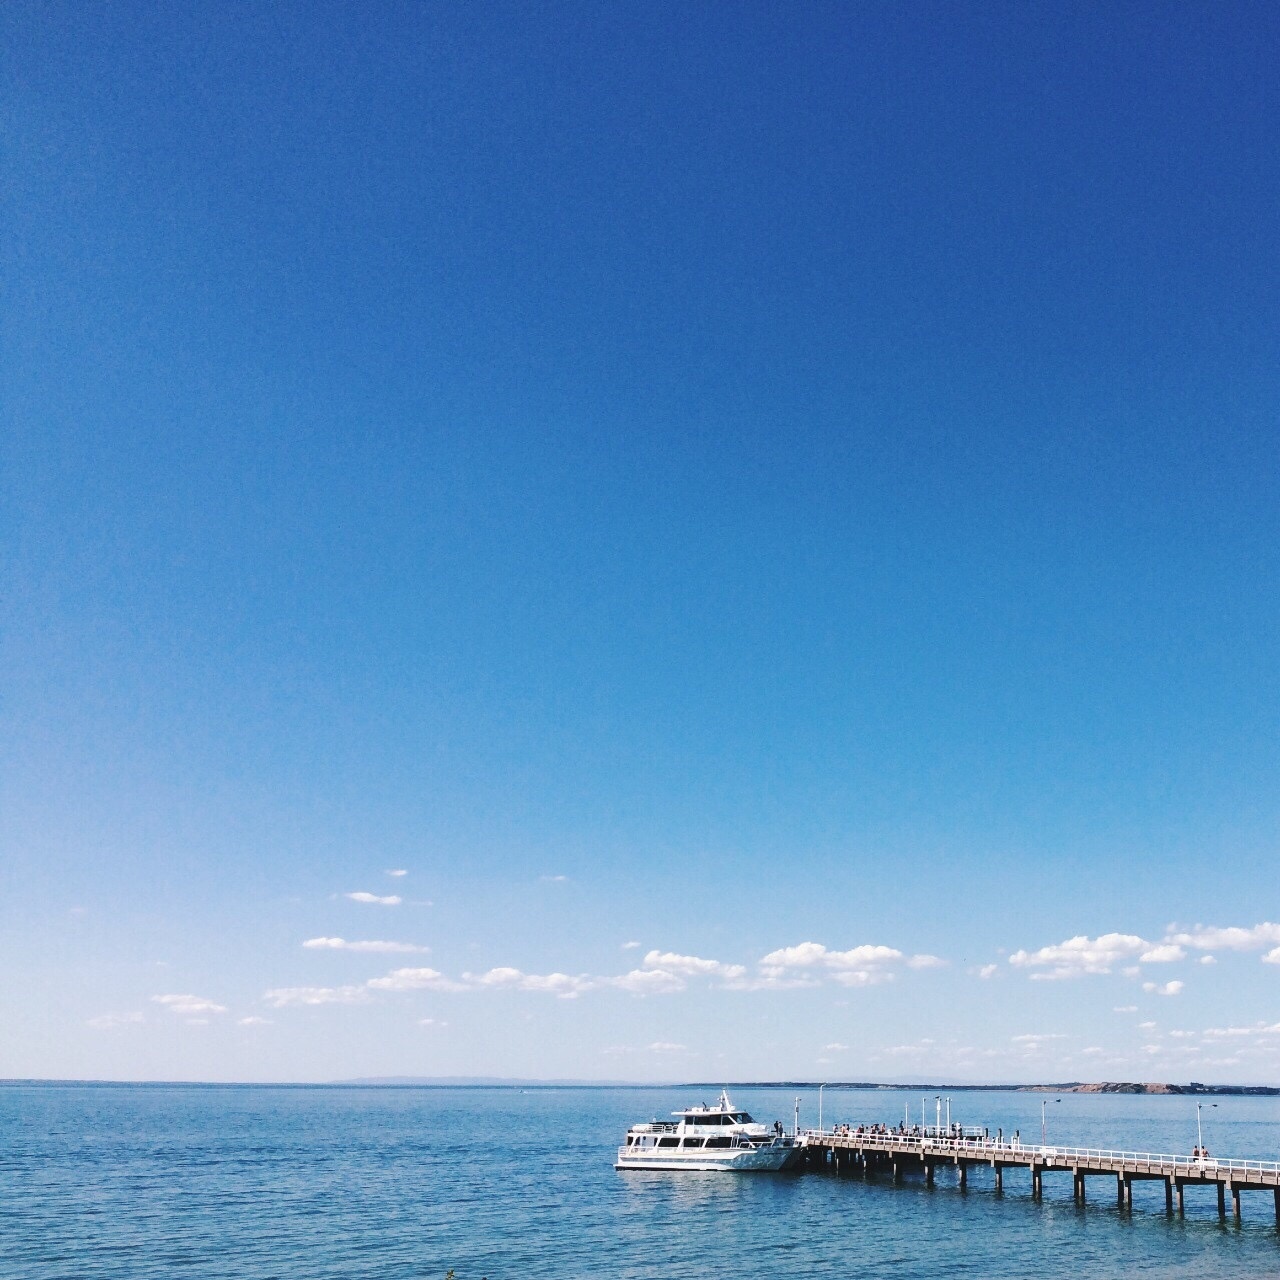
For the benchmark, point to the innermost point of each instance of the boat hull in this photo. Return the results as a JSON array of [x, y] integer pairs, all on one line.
[[740, 1160]]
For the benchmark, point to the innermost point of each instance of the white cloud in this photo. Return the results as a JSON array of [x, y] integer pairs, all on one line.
[[189, 1005], [1146, 1026], [692, 966], [565, 986], [1275, 954], [1125, 1008], [861, 977], [384, 900], [648, 982], [1081, 955], [431, 1022], [399, 871], [861, 957], [663, 973], [630, 946], [1092, 1051], [857, 967], [1035, 1038], [665, 1046], [253, 1021], [926, 962], [801, 956], [988, 971], [282, 997], [1258, 1029], [553, 879], [413, 980], [835, 1048], [1272, 957], [341, 944], [1165, 989], [1232, 938], [110, 1021], [1163, 954], [772, 980]]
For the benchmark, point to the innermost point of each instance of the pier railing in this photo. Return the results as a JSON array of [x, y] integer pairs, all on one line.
[[1022, 1152]]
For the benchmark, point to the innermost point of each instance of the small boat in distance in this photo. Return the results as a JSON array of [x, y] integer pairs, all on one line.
[[719, 1137]]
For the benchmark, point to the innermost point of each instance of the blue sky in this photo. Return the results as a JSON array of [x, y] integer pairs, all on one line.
[[767, 518]]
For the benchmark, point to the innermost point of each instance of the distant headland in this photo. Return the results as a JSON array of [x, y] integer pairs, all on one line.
[[1193, 1088]]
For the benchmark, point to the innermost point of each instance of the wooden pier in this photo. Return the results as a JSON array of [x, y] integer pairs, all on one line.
[[894, 1155]]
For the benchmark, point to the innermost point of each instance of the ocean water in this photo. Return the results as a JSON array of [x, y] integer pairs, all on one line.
[[261, 1183]]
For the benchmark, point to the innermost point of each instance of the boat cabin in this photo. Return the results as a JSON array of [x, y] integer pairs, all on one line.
[[729, 1128]]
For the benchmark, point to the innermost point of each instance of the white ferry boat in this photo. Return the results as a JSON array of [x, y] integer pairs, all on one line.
[[719, 1137]]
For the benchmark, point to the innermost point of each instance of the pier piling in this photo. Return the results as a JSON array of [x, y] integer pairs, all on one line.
[[903, 1152]]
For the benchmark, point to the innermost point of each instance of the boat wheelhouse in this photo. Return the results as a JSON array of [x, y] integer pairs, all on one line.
[[702, 1137]]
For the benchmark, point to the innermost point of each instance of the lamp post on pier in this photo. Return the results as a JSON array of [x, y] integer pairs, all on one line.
[[1044, 1102], [1199, 1132], [822, 1086]]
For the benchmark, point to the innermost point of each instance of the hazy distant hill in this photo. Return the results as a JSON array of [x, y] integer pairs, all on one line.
[[489, 1082], [1251, 1090]]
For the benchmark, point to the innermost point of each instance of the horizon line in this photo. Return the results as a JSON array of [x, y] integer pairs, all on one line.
[[1145, 1088]]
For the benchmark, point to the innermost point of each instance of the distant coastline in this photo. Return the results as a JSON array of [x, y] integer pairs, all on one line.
[[1193, 1088]]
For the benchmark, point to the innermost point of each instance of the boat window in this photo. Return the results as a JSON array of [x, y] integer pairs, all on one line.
[[668, 1142], [694, 1142], [742, 1118], [717, 1142]]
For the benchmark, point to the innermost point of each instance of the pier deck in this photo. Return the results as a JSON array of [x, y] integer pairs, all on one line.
[[900, 1153]]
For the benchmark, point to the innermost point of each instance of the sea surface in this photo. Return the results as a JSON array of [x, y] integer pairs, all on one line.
[[391, 1183]]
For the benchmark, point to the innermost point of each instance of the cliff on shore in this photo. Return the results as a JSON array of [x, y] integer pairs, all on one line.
[[1109, 1086]]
